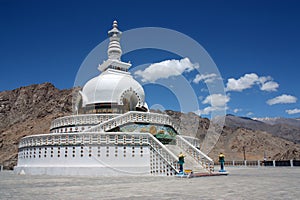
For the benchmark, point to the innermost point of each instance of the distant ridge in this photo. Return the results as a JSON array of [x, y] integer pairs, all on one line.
[[279, 120], [281, 127]]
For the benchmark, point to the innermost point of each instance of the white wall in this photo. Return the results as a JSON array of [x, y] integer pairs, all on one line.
[[132, 158]]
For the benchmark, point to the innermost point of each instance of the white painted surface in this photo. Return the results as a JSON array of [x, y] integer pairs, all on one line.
[[109, 86]]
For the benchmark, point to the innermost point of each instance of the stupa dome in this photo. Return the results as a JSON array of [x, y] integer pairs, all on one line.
[[112, 86]]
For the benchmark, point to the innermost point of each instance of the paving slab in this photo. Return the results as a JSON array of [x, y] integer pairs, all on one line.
[[241, 183]]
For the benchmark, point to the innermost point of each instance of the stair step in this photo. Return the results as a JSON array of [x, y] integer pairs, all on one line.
[[189, 162]]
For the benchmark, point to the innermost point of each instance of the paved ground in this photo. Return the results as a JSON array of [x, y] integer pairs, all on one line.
[[242, 183]]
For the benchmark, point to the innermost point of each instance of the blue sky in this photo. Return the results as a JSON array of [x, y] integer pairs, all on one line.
[[254, 44]]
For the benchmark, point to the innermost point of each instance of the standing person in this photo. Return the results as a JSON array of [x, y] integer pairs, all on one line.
[[222, 161], [181, 161]]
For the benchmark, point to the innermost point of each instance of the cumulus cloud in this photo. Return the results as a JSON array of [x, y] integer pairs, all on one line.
[[216, 100], [293, 111], [282, 99], [247, 81], [269, 86], [217, 103], [166, 69], [207, 78]]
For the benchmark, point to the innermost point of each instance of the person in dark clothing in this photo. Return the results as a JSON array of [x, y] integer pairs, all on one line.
[[181, 161], [222, 161]]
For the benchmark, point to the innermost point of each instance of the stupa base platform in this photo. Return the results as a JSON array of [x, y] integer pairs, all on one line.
[[82, 171]]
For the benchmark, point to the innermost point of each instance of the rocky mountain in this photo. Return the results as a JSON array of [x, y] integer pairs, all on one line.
[[26, 111], [281, 127], [30, 110]]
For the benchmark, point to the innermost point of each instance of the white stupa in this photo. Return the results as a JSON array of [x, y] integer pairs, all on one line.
[[115, 86], [114, 132]]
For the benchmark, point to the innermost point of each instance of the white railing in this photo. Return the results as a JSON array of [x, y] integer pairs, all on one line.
[[164, 153], [194, 141], [86, 119], [84, 139], [108, 138], [133, 116], [205, 161]]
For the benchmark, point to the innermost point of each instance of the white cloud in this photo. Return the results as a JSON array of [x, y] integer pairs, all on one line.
[[249, 80], [216, 100], [166, 69], [204, 90], [217, 103], [294, 111], [269, 86], [249, 113], [210, 109], [245, 82], [207, 78], [282, 99], [201, 98], [237, 110]]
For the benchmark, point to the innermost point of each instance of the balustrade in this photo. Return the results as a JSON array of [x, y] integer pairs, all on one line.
[[205, 161], [132, 117], [81, 120]]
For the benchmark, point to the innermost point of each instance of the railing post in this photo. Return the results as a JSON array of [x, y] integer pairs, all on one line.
[[245, 163], [258, 163], [233, 163], [1, 168], [274, 163], [292, 164]]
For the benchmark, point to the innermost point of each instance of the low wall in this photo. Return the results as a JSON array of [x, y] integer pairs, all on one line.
[[259, 163]]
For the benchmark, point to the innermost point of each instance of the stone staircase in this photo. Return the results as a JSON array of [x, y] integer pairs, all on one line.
[[189, 162], [133, 117]]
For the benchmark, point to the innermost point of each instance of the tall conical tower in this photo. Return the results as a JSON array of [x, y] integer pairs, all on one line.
[[114, 51]]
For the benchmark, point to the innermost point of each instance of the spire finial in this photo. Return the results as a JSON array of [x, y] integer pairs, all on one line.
[[114, 48], [115, 24]]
